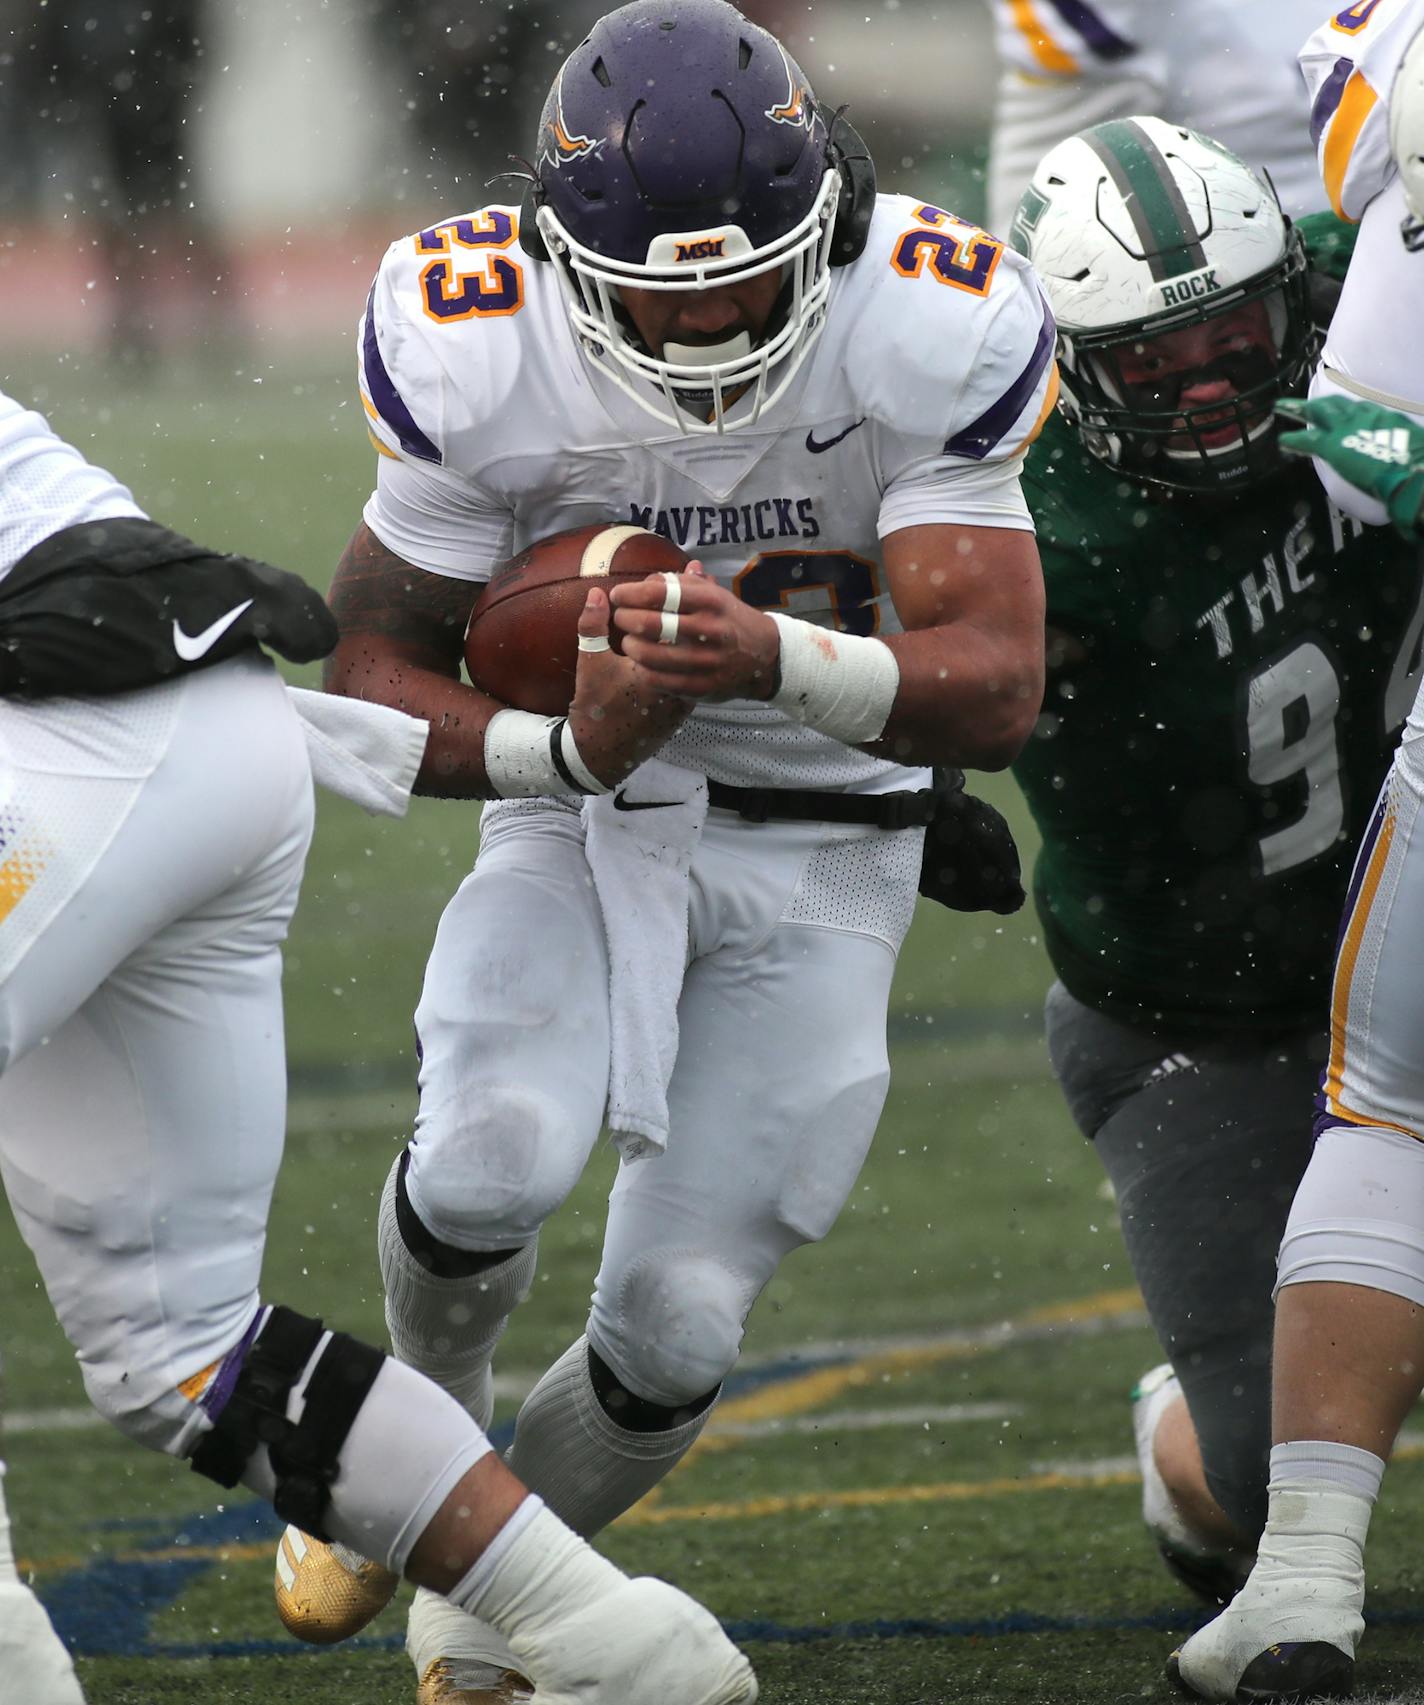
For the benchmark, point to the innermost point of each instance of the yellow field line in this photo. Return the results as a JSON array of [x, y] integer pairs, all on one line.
[[805, 1392]]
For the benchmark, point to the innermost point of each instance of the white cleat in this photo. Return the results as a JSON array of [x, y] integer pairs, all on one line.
[[1212, 1571], [1292, 1631], [460, 1660], [34, 1663], [641, 1643], [327, 1593]]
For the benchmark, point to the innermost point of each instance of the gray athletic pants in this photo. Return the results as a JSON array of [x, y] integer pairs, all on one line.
[[1204, 1138]]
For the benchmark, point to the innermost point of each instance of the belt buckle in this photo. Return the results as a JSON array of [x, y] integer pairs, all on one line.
[[906, 810]]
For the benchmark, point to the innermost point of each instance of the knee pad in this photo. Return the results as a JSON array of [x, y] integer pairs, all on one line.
[[491, 1174], [678, 1326], [338, 1373], [1357, 1217]]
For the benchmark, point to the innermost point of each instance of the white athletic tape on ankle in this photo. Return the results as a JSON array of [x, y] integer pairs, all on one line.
[[536, 1578], [839, 683]]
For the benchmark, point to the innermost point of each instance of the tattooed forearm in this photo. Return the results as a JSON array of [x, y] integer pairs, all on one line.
[[376, 593]]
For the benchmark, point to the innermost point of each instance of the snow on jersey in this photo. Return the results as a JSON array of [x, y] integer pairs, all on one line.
[[1349, 65], [934, 371], [1224, 67], [46, 485]]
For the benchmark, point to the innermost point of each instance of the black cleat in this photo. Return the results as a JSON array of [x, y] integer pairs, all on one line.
[[1215, 1579], [1292, 1671]]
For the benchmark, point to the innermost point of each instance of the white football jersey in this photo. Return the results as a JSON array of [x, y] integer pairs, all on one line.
[[46, 485], [1224, 67], [934, 371], [1349, 65]]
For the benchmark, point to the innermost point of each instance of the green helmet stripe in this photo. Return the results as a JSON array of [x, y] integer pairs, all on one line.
[[1150, 194]]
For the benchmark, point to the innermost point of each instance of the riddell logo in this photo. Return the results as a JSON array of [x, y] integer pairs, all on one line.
[[705, 248]]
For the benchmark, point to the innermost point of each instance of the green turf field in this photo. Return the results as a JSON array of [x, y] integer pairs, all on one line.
[[919, 1487]]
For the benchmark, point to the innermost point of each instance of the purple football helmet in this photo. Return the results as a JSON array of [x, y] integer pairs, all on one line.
[[681, 148]]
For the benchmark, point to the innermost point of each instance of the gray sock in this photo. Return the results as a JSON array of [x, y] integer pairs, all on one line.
[[448, 1328], [584, 1466]]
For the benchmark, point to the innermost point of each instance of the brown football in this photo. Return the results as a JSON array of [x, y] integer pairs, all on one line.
[[522, 642]]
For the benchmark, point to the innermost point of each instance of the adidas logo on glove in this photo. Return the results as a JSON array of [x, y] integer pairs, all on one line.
[[1387, 444]]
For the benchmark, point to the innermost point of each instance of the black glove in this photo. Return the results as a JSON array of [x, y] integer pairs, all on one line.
[[109, 606], [970, 861]]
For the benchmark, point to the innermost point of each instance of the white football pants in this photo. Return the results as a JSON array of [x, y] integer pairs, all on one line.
[[780, 1077], [153, 845], [1358, 1216]]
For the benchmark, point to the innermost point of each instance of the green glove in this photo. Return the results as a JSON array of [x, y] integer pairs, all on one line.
[[1374, 448]]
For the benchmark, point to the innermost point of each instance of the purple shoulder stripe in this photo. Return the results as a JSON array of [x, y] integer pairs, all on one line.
[[386, 397], [1100, 40], [978, 439], [1328, 98]]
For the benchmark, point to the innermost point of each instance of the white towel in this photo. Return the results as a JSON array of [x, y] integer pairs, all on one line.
[[640, 860], [368, 753]]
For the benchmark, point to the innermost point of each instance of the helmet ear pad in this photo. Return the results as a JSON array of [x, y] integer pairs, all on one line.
[[531, 238], [847, 154]]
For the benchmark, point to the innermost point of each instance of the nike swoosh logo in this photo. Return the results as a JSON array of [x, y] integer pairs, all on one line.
[[190, 647], [622, 803], [830, 443]]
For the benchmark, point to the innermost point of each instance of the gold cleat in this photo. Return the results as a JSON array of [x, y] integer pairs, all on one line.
[[450, 1682], [326, 1593]]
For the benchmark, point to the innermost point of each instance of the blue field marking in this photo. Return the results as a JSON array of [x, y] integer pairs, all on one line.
[[1178, 1620]]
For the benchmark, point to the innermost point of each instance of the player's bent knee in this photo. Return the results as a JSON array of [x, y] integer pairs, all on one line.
[[333, 1374], [490, 1176], [677, 1327]]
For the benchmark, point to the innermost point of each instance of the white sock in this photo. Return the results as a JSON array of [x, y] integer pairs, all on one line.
[[448, 1328], [409, 1446], [1358, 1471], [582, 1463]]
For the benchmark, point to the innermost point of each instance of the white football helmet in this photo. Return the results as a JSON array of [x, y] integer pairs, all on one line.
[[1138, 229], [1406, 138]]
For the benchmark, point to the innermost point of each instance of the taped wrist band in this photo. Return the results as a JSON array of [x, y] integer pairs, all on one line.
[[839, 683], [519, 758], [571, 762]]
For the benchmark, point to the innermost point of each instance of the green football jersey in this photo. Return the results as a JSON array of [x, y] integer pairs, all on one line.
[[1213, 736]]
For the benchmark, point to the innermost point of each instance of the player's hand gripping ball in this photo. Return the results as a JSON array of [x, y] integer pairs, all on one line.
[[521, 646]]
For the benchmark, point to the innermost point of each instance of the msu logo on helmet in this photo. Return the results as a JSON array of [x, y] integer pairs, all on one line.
[[681, 148]]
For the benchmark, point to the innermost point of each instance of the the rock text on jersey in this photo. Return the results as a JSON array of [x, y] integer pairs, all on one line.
[[1259, 596]]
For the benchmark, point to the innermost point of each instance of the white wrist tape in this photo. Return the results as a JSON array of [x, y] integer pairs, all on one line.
[[574, 764], [839, 683], [519, 759]]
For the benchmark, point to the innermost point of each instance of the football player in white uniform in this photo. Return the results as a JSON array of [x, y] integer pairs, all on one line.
[[1224, 67], [704, 322], [152, 839], [1349, 1337]]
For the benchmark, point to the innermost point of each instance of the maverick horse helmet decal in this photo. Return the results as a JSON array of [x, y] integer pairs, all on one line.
[[681, 148]]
